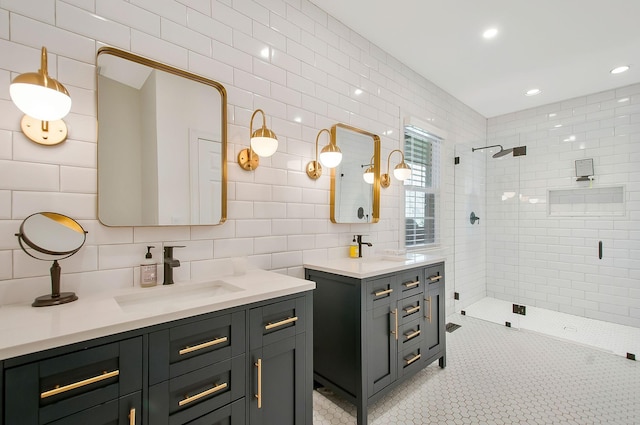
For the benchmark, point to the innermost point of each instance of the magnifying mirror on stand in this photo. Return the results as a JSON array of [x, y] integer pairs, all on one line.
[[53, 237]]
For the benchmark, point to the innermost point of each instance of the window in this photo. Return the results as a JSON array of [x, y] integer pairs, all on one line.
[[421, 190]]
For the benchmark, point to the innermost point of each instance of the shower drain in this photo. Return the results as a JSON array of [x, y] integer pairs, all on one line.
[[452, 327]]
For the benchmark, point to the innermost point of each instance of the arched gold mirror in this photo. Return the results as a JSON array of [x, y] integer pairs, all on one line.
[[50, 236]]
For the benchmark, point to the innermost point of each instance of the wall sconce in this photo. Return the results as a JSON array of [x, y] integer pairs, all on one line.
[[263, 143], [369, 175], [44, 101], [330, 157], [401, 171]]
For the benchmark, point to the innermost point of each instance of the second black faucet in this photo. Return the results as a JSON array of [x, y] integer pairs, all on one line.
[[170, 263]]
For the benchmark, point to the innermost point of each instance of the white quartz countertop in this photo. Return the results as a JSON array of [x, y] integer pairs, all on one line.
[[25, 329], [361, 268]]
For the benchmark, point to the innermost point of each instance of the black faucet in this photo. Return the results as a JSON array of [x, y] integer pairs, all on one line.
[[360, 243], [169, 264]]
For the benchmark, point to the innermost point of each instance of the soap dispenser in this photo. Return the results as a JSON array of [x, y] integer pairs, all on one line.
[[148, 270], [353, 248]]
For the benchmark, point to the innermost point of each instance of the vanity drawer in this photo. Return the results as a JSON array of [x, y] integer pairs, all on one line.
[[411, 308], [192, 395], [411, 282], [51, 389], [411, 359], [275, 322], [126, 410], [381, 291], [232, 414], [409, 334], [185, 348], [434, 274]]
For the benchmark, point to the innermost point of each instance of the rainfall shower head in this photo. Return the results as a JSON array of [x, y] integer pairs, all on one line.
[[502, 152]]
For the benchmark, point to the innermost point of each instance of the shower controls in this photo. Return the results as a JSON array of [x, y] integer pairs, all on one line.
[[473, 218]]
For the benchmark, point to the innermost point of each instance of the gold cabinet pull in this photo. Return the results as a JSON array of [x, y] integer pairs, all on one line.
[[198, 396], [383, 292], [411, 310], [187, 350], [411, 284], [412, 335], [435, 277], [281, 323], [258, 364], [428, 299], [413, 359], [132, 416], [395, 332], [59, 390]]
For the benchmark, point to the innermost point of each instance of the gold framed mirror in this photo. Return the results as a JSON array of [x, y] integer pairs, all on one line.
[[354, 200], [162, 143]]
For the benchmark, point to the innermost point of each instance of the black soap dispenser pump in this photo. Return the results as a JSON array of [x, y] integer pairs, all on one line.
[[148, 270]]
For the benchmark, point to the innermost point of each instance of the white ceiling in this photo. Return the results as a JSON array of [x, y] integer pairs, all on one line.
[[566, 48]]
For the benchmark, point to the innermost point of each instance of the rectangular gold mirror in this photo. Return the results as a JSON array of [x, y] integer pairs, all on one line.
[[354, 200], [162, 141]]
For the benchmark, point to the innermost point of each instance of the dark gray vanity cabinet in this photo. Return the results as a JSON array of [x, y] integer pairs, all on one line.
[[201, 370], [371, 334]]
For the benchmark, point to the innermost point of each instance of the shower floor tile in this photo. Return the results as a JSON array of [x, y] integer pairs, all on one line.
[[611, 337], [499, 375]]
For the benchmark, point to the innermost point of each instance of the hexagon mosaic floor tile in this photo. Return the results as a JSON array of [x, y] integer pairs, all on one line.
[[497, 375]]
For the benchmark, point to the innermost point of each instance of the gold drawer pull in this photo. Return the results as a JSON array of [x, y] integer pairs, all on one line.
[[281, 323], [215, 389], [132, 416], [187, 350], [58, 389], [411, 310], [383, 292], [412, 335], [258, 364], [413, 359], [435, 277], [411, 284]]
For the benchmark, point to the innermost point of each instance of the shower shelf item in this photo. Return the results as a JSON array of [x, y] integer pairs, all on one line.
[[594, 202]]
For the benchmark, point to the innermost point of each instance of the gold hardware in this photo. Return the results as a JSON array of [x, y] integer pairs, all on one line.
[[47, 133], [383, 292], [412, 335], [58, 389], [435, 277], [187, 349], [132, 416], [411, 284], [395, 332], [413, 359], [215, 389], [401, 171], [429, 301], [411, 310], [258, 364], [280, 323]]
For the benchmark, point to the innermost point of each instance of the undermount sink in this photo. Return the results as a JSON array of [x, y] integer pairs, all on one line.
[[171, 296]]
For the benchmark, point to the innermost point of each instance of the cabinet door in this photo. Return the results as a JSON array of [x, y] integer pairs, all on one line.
[[381, 335], [277, 394], [434, 319]]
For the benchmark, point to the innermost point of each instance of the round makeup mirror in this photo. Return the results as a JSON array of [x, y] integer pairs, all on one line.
[[50, 236]]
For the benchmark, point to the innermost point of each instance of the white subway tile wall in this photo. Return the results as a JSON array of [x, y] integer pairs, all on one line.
[[537, 258]]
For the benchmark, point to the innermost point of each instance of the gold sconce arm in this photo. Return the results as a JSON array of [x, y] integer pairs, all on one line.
[[263, 143], [330, 157], [401, 171]]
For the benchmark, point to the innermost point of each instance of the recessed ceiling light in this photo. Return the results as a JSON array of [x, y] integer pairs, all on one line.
[[490, 33], [620, 69], [533, 92]]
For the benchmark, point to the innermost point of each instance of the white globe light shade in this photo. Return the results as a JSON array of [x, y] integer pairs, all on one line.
[[331, 156], [40, 102], [368, 175], [402, 172], [264, 146]]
